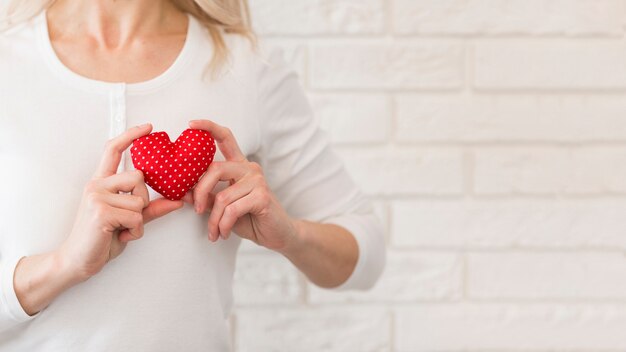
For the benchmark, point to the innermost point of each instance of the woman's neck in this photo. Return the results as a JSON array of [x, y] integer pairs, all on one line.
[[115, 24]]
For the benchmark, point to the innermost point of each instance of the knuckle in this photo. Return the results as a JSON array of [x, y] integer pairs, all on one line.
[[139, 203], [214, 167], [259, 180], [110, 146], [137, 219], [264, 196], [255, 166], [264, 191], [221, 197], [91, 186], [230, 211], [100, 211], [137, 234], [92, 198], [138, 175]]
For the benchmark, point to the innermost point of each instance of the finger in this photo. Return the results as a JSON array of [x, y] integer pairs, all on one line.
[[128, 220], [223, 137], [188, 197], [124, 201], [234, 212], [156, 209], [208, 205], [217, 171], [222, 200], [117, 247], [116, 146], [125, 236], [160, 207], [128, 181]]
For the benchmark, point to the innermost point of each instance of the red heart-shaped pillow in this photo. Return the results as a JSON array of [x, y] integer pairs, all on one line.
[[172, 169]]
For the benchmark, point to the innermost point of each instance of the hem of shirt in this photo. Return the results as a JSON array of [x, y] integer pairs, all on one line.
[[9, 296]]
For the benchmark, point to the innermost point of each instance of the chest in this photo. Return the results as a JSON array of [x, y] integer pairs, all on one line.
[[52, 138], [136, 62]]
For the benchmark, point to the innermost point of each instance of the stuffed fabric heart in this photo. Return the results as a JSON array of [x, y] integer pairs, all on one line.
[[172, 169]]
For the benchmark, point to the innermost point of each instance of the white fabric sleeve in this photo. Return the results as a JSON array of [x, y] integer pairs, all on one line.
[[304, 172], [11, 311]]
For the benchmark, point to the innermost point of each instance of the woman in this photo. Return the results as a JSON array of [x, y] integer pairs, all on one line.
[[74, 76]]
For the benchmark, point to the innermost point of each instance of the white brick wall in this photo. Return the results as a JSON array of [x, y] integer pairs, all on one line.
[[491, 135]]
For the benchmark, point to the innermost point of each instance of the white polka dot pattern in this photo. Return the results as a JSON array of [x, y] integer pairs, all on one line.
[[172, 169]]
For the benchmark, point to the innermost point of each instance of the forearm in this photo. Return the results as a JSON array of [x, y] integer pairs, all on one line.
[[326, 253], [38, 279]]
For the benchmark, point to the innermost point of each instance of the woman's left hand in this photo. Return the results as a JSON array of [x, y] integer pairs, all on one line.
[[248, 206]]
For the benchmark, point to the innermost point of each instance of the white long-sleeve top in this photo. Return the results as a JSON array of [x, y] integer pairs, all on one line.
[[171, 290]]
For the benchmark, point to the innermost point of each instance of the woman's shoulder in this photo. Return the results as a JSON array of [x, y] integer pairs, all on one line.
[[254, 56], [24, 29], [18, 39]]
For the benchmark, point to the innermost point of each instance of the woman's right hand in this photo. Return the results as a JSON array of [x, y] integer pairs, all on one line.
[[106, 221]]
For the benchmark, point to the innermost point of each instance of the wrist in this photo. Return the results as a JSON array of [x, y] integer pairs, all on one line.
[[64, 270], [296, 240]]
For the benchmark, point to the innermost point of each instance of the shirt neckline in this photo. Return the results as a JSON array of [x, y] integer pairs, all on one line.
[[67, 75]]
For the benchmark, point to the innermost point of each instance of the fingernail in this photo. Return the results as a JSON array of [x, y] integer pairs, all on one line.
[[144, 125]]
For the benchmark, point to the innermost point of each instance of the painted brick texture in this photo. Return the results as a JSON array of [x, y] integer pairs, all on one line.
[[491, 136]]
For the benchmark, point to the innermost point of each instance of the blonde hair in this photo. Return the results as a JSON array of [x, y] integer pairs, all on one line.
[[218, 16]]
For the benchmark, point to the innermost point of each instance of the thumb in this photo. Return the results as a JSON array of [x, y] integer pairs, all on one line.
[[154, 210], [160, 207]]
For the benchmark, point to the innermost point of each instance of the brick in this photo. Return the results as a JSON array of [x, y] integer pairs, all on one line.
[[546, 275], [405, 171], [371, 64], [301, 329], [509, 223], [307, 17], [489, 17], [408, 277], [507, 118], [354, 118], [490, 135], [266, 278], [499, 327], [550, 64], [537, 170]]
